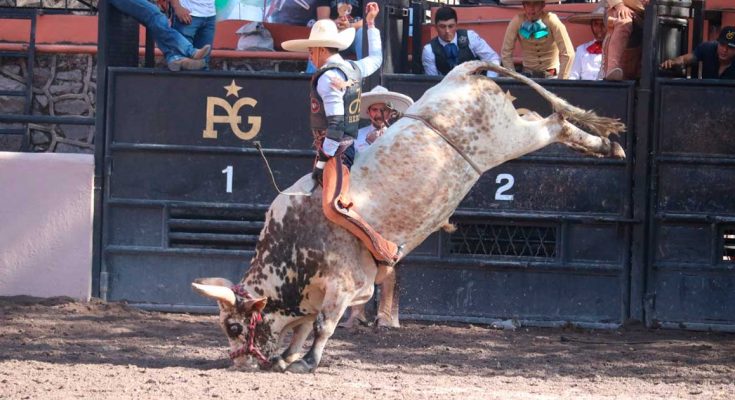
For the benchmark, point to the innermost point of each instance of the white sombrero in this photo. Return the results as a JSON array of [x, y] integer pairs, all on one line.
[[324, 33], [379, 94], [597, 13]]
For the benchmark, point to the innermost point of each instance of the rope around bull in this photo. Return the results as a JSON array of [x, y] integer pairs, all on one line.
[[273, 178]]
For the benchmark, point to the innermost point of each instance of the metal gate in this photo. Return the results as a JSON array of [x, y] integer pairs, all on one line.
[[185, 191], [691, 265], [544, 239]]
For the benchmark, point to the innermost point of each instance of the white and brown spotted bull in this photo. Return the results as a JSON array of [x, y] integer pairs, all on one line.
[[307, 271]]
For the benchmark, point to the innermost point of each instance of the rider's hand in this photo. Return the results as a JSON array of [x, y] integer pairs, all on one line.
[[371, 11], [317, 174]]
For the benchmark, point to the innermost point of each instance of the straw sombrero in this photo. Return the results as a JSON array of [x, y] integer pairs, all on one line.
[[597, 13], [324, 33], [379, 94]]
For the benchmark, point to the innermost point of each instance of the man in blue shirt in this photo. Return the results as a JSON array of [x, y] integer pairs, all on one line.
[[716, 57]]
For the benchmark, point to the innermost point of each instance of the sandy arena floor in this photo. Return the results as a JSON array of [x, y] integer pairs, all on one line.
[[61, 349]]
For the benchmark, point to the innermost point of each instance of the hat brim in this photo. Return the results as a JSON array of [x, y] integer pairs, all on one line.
[[343, 40], [400, 102]]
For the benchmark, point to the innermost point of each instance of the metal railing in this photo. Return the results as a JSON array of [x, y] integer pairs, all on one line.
[[53, 6]]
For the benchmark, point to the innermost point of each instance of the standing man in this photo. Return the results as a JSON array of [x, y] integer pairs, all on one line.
[[454, 46], [717, 58], [547, 50], [588, 57], [382, 108], [179, 52], [621, 50], [335, 113], [196, 20]]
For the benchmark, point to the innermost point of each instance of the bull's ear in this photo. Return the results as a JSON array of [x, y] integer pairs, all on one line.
[[246, 306], [222, 294]]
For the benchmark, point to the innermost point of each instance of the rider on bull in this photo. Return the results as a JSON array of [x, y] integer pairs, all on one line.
[[335, 113]]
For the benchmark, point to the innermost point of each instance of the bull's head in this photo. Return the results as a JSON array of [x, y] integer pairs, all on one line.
[[241, 320]]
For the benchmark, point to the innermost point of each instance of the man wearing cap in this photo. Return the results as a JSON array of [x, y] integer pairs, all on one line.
[[454, 46], [716, 57], [335, 114], [547, 50], [382, 108], [588, 56]]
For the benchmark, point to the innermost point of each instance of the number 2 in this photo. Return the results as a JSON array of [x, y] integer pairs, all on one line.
[[509, 181], [228, 171]]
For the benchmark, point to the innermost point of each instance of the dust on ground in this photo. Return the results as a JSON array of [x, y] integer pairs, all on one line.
[[59, 348]]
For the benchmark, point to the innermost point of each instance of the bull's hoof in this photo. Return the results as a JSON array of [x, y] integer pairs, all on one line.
[[616, 151], [387, 323], [300, 367], [278, 364]]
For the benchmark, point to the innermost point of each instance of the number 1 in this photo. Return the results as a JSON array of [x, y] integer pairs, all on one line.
[[228, 171]]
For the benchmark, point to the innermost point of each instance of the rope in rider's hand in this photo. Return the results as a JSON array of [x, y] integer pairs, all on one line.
[[257, 145]]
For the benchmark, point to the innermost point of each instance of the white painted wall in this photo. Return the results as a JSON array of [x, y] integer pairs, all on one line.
[[46, 224]]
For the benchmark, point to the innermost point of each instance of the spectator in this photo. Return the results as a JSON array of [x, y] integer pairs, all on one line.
[[382, 108], [621, 50], [195, 20], [454, 46], [292, 12], [588, 57], [346, 14], [179, 52], [545, 44], [716, 57], [335, 114]]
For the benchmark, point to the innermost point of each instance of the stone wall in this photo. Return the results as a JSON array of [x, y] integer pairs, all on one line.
[[63, 85], [66, 85]]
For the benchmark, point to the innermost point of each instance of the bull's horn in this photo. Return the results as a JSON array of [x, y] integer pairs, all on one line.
[[219, 293]]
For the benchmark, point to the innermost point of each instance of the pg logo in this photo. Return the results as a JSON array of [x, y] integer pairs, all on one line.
[[231, 115]]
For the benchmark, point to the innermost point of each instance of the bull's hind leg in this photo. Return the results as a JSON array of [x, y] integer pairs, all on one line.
[[291, 354], [580, 140], [335, 303]]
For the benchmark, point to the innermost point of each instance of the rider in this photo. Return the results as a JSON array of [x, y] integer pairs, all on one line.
[[335, 113]]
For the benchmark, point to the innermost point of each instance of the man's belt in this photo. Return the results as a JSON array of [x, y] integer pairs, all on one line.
[[549, 73]]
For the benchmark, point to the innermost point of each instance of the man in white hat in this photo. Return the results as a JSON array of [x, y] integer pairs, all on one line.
[[588, 57], [335, 114], [382, 107], [547, 49]]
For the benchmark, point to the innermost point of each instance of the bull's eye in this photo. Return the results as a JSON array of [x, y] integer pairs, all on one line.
[[234, 330]]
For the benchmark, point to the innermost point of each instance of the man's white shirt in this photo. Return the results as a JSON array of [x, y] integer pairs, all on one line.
[[200, 8], [361, 143], [586, 65], [478, 46]]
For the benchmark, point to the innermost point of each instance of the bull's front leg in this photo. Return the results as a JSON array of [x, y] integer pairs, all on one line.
[[335, 304], [292, 352]]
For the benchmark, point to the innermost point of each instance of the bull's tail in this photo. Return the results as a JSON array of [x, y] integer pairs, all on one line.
[[601, 126]]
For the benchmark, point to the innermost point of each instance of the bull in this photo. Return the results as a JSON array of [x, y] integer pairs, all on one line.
[[307, 271]]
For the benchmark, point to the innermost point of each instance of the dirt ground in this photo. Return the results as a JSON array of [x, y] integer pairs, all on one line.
[[62, 349]]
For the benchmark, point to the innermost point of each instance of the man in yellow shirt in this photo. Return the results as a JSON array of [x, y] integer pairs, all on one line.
[[547, 50]]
